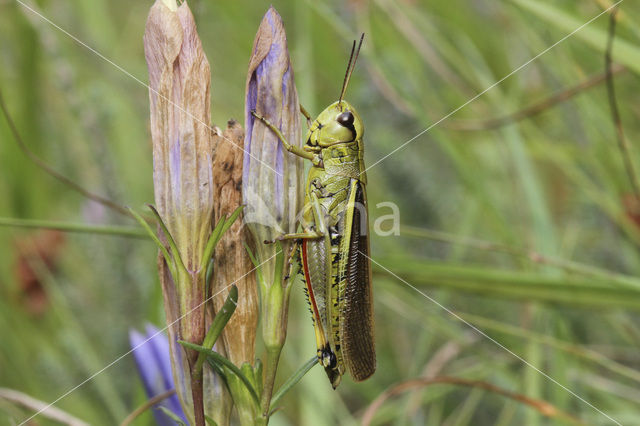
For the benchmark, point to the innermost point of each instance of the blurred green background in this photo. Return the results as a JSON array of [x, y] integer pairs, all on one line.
[[530, 231]]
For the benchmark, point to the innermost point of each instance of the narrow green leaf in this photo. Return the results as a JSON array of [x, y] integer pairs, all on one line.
[[213, 240], [255, 262], [511, 284], [525, 253], [172, 415], [293, 380], [221, 227], [170, 240], [231, 219], [155, 239], [210, 421], [220, 320]]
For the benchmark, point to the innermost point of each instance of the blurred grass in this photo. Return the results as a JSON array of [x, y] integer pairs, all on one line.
[[553, 184]]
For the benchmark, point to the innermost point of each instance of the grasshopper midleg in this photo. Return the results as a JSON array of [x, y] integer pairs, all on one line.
[[308, 233]]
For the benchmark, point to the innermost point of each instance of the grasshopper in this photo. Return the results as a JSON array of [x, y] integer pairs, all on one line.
[[334, 243]]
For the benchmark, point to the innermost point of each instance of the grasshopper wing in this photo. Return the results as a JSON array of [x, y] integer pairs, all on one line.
[[357, 322]]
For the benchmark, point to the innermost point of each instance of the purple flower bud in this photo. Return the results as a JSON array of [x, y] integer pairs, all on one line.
[[179, 80], [272, 181], [151, 353]]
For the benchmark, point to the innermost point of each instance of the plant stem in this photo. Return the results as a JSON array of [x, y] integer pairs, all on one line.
[[44, 409], [533, 109], [198, 400], [122, 231], [623, 144], [49, 170], [146, 406]]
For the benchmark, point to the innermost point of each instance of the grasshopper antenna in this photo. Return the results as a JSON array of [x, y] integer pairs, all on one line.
[[350, 66]]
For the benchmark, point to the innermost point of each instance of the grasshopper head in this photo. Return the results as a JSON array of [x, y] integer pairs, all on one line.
[[338, 123]]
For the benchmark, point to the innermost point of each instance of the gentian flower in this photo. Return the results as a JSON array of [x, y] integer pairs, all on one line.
[[151, 353], [179, 94], [272, 181]]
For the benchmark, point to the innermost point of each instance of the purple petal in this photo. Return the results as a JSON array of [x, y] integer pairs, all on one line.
[[151, 353]]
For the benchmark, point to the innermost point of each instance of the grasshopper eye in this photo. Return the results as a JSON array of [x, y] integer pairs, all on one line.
[[346, 119]]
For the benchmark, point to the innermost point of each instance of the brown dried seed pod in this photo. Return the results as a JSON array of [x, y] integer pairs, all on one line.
[[232, 264]]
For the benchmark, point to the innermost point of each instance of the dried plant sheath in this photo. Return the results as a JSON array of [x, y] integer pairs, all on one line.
[[232, 264], [272, 178]]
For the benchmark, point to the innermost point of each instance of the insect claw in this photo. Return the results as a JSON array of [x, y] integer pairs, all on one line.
[[255, 114]]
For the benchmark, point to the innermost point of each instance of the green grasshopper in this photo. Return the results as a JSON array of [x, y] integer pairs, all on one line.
[[334, 244]]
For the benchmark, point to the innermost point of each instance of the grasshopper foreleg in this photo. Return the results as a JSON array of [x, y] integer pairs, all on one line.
[[314, 158]]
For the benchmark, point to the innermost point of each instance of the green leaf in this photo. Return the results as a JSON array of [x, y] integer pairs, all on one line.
[[222, 317], [255, 262], [231, 219], [215, 358], [213, 240], [170, 240], [210, 421], [525, 253], [221, 227], [512, 284], [155, 239], [293, 380], [173, 415]]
